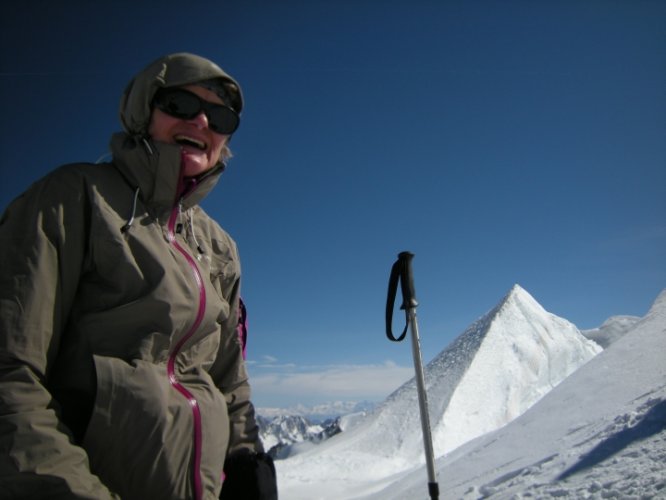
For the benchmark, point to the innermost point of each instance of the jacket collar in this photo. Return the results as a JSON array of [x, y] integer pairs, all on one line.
[[154, 168]]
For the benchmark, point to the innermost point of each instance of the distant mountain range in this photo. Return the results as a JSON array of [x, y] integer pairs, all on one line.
[[320, 412], [281, 434], [287, 431]]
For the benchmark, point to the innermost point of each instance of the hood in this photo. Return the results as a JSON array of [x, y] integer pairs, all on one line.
[[174, 70]]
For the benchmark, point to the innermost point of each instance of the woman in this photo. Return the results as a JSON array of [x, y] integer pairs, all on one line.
[[121, 367]]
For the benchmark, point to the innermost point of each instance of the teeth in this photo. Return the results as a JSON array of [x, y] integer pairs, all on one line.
[[190, 141]]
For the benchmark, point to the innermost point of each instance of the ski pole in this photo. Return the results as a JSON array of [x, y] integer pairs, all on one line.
[[402, 272]]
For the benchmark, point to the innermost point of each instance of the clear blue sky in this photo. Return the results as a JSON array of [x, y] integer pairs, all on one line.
[[500, 141]]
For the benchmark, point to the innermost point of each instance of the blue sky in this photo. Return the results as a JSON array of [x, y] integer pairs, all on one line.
[[500, 141]]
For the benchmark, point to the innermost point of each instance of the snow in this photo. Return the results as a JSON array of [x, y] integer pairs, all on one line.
[[564, 427], [611, 330]]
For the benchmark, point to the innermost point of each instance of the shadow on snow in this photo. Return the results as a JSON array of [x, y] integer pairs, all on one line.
[[653, 422]]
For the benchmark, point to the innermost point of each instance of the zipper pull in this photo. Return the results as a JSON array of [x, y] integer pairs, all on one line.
[[179, 225], [174, 226]]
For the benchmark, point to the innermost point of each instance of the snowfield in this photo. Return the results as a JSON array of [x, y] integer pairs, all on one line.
[[522, 406]]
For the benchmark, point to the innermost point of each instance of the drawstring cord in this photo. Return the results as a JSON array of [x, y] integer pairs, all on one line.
[[130, 221], [102, 158], [147, 145]]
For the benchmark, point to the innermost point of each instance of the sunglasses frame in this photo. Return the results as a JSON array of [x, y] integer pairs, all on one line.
[[164, 96]]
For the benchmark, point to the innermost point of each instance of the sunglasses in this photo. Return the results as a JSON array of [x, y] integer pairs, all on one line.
[[185, 105]]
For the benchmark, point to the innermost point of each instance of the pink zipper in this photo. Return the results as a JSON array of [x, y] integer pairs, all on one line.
[[171, 364]]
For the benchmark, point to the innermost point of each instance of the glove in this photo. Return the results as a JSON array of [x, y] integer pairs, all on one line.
[[249, 476]]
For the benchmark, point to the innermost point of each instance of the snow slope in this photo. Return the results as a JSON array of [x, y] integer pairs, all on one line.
[[600, 434], [611, 330], [500, 366]]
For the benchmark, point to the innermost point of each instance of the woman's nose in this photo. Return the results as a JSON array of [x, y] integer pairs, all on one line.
[[200, 120]]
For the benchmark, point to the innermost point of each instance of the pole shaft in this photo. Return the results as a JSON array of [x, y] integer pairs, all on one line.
[[423, 399], [401, 272]]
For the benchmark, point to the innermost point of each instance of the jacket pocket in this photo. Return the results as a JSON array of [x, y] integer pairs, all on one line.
[[139, 436]]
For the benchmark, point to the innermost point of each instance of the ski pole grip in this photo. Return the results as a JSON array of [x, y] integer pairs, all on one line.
[[407, 281]]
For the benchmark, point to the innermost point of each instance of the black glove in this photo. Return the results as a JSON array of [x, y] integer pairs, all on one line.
[[249, 476]]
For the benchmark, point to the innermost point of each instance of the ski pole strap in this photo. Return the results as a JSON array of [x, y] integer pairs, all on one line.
[[400, 272]]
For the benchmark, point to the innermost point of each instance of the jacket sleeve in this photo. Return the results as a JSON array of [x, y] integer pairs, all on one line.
[[249, 472], [229, 371], [244, 428], [42, 251]]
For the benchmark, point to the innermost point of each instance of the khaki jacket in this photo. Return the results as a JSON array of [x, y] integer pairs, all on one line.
[[121, 371]]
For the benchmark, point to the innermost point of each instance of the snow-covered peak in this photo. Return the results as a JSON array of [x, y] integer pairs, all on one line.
[[616, 327], [518, 294], [523, 352], [611, 330], [493, 372], [519, 305]]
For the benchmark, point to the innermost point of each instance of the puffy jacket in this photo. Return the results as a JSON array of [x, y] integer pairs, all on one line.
[[121, 371]]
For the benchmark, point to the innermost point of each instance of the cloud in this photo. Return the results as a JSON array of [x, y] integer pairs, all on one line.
[[287, 385]]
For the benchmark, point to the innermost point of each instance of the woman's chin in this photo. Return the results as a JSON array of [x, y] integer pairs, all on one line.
[[194, 164]]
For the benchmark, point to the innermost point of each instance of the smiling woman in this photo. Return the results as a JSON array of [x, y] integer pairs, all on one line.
[[195, 129], [143, 391]]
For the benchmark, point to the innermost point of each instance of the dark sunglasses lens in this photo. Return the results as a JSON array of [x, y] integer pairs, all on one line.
[[179, 104], [222, 120], [185, 105]]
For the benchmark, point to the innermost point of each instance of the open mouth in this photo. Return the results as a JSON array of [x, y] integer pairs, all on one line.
[[185, 140]]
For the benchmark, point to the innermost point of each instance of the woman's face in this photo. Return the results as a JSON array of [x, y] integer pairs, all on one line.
[[200, 147]]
